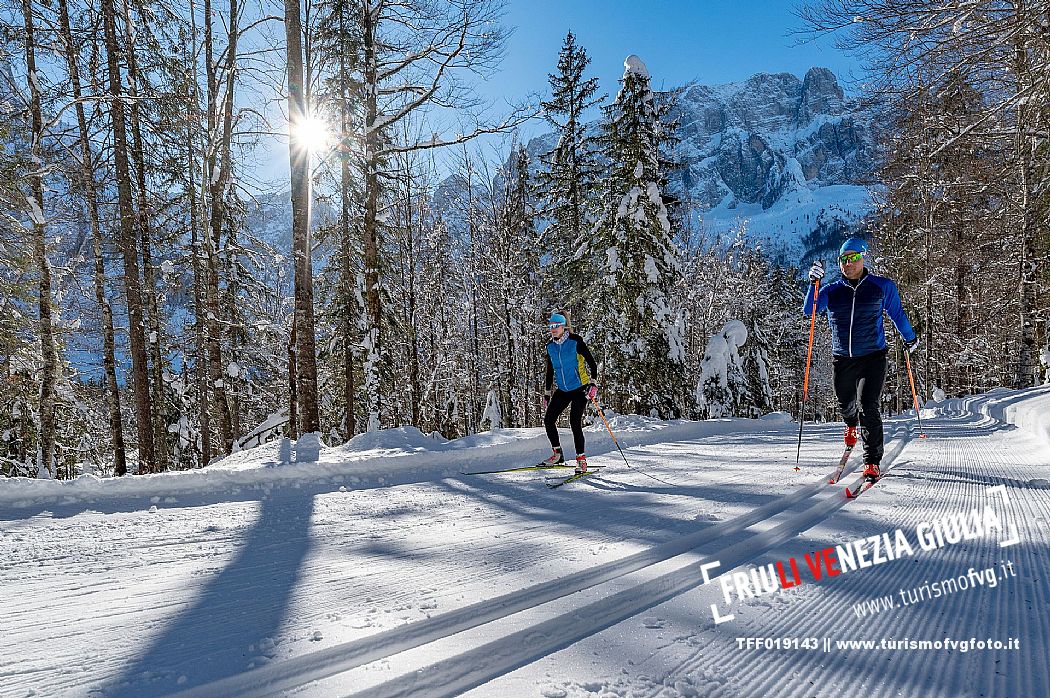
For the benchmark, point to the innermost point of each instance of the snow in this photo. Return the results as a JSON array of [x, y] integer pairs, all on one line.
[[382, 570], [491, 415], [652, 272], [721, 371], [633, 65], [308, 448], [36, 214], [780, 229]]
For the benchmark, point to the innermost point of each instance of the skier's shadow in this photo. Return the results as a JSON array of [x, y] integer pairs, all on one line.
[[238, 613]]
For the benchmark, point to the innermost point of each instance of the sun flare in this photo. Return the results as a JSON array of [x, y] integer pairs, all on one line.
[[313, 134]]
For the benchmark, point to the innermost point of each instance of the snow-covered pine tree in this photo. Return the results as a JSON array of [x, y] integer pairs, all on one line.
[[723, 385], [566, 186], [632, 264]]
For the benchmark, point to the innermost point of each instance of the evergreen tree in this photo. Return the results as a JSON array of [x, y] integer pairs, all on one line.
[[723, 389], [569, 180], [632, 260]]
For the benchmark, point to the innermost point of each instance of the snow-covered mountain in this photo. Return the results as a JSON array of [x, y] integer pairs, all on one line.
[[790, 160]]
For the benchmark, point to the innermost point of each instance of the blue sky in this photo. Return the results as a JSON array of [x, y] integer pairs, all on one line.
[[711, 41]]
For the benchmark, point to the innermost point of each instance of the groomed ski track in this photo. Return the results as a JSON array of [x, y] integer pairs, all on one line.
[[496, 658], [581, 633], [965, 473]]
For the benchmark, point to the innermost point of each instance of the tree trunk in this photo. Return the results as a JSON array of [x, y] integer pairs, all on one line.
[[370, 232], [153, 320], [299, 157], [129, 245], [109, 363], [200, 325], [347, 279], [217, 178], [1027, 366], [293, 387], [48, 348], [412, 297], [198, 252]]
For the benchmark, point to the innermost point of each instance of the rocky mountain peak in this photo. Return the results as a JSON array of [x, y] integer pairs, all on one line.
[[821, 94]]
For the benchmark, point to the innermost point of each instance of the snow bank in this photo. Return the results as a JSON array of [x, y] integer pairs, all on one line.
[[392, 441], [375, 459], [1032, 414], [1027, 409]]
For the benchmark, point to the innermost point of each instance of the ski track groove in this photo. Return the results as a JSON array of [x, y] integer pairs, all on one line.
[[770, 679], [476, 666], [960, 456], [964, 492], [347, 656]]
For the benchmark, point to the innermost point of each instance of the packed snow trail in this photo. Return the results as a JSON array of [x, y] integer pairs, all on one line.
[[966, 455], [375, 647], [403, 590], [458, 674]]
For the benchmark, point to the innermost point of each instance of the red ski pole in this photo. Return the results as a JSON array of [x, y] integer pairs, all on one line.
[[805, 382], [914, 395]]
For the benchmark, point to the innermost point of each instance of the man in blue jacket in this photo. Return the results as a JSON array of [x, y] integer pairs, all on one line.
[[571, 372], [855, 304]]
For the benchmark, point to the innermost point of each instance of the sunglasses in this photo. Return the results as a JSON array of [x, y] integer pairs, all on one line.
[[850, 258], [555, 325]]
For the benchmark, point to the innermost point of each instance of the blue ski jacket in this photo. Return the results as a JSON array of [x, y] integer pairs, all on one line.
[[855, 313], [569, 363]]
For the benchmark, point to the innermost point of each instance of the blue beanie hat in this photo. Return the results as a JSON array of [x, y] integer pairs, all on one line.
[[853, 244], [557, 319]]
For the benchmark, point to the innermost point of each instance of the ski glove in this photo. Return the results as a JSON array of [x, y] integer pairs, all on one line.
[[816, 272], [912, 345], [592, 391]]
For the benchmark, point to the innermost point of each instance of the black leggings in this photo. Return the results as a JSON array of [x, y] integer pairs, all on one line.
[[559, 401], [858, 386]]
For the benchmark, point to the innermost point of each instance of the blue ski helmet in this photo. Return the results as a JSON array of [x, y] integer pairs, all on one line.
[[853, 245], [557, 319]]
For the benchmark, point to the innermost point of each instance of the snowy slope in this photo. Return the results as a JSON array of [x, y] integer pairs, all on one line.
[[383, 571], [788, 161]]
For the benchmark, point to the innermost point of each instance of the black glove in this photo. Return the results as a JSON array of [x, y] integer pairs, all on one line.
[[912, 345]]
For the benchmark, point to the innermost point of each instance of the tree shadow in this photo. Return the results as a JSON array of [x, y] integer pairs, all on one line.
[[234, 622]]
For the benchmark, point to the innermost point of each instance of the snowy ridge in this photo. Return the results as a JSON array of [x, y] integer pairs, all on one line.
[[785, 161]]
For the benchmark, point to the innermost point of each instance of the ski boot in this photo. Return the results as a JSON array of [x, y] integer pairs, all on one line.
[[556, 458], [872, 472], [850, 436], [581, 464]]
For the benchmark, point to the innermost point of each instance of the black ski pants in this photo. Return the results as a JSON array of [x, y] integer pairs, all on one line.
[[559, 401], [858, 386]]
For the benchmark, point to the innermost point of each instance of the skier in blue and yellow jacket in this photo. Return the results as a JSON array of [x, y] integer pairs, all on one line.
[[571, 373], [855, 304]]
